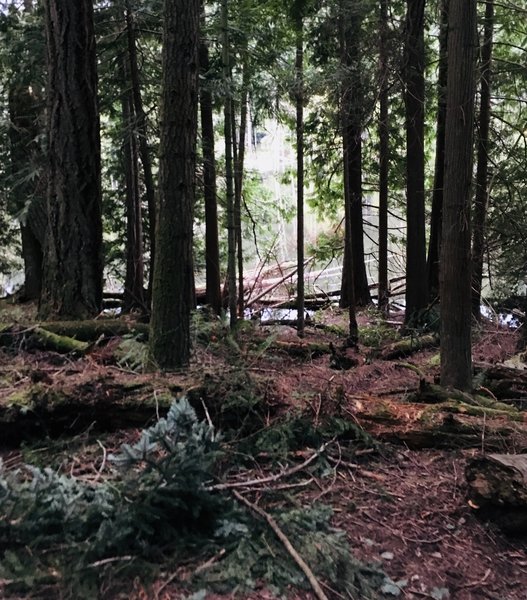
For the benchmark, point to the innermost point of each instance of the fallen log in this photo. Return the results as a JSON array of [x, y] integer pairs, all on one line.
[[497, 488], [37, 337], [446, 425], [50, 410], [475, 405], [408, 346], [91, 330], [67, 336], [301, 349], [62, 344], [504, 382]]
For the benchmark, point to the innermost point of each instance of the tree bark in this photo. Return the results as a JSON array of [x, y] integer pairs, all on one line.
[[434, 248], [72, 278], [352, 104], [482, 183], [455, 277], [238, 160], [212, 253], [348, 276], [384, 149], [416, 283], [238, 180], [173, 287], [299, 97], [229, 172], [24, 110], [142, 133], [134, 279]]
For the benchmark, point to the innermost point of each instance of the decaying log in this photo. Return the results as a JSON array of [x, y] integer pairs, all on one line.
[[47, 340], [504, 382], [408, 346], [301, 349], [48, 409], [444, 425], [67, 336], [90, 331], [497, 486], [37, 337], [457, 401]]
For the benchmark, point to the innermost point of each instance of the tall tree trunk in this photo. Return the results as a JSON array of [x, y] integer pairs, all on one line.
[[482, 184], [238, 159], [353, 159], [142, 133], [299, 97], [212, 253], [416, 284], [24, 110], [455, 277], [134, 279], [384, 149], [434, 247], [72, 278], [239, 165], [348, 287], [229, 171], [173, 287]]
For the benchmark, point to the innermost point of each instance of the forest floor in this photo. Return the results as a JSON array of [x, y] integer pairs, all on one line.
[[401, 498]]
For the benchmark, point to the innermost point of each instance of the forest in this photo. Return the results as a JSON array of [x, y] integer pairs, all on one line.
[[262, 299]]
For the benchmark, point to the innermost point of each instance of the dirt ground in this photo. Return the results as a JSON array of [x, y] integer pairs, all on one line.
[[404, 508]]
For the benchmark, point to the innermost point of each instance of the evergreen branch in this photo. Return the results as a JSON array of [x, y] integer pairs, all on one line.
[[287, 544]]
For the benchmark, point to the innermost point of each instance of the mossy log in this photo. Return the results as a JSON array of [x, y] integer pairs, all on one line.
[[497, 486], [475, 405], [442, 427], [408, 346], [101, 405], [62, 344], [67, 336], [37, 337], [90, 331], [301, 349]]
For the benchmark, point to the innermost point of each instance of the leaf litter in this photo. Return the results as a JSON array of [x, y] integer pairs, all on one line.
[[401, 509]]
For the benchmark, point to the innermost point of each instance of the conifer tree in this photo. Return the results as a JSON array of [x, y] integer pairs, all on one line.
[[173, 286]]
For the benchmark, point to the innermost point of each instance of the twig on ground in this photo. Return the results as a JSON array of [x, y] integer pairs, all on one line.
[[271, 478], [103, 464], [319, 592], [108, 561], [207, 415]]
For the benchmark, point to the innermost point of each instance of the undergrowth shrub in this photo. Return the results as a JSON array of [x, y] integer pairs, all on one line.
[[259, 557], [295, 431], [234, 401], [68, 538], [156, 502]]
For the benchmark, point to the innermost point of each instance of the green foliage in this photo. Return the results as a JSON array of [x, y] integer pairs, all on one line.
[[57, 526], [132, 353], [235, 401], [68, 537], [296, 431], [328, 246], [378, 333], [259, 556]]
